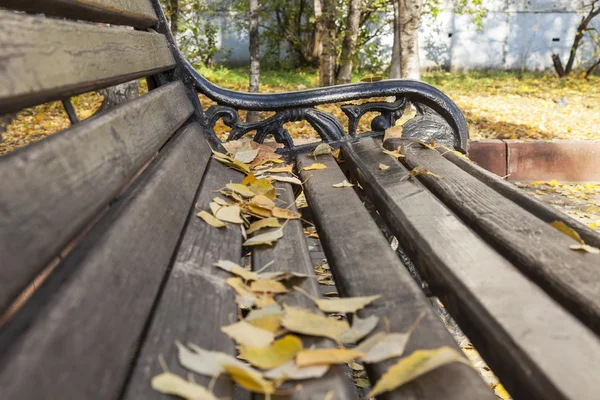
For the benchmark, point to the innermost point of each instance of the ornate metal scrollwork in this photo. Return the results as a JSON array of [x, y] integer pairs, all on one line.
[[390, 112], [325, 124]]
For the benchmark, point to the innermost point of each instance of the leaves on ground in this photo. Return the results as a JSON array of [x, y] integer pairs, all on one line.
[[211, 219], [270, 222], [249, 378], [343, 184], [169, 383], [230, 214], [567, 230], [309, 323], [315, 167], [245, 334], [383, 167], [284, 213], [265, 238], [291, 371], [268, 286], [235, 269], [413, 366], [276, 354], [416, 171], [360, 328], [396, 153], [311, 357]]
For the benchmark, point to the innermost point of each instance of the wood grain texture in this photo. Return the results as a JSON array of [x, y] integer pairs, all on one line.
[[43, 59], [196, 301], [78, 335], [138, 13], [541, 210], [290, 253], [52, 188], [537, 348], [539, 250], [363, 263]]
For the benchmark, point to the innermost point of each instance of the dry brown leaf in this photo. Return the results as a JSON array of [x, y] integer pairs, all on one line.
[[585, 247], [383, 167], [416, 171], [393, 132], [343, 184], [245, 334], [267, 286], [240, 189], [290, 371], [285, 213], [415, 365], [263, 223], [235, 269], [310, 357], [567, 230], [229, 214], [396, 153], [315, 167], [246, 155], [265, 238], [308, 323], [211, 219], [274, 355], [168, 383]]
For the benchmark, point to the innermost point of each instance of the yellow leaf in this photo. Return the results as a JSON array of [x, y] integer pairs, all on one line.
[[287, 168], [249, 179], [221, 202], [264, 186], [284, 213], [343, 184], [245, 334], [266, 300], [168, 383], [267, 286], [249, 379], [396, 153], [416, 171], [235, 269], [567, 230], [344, 305], [291, 371], [310, 357], [322, 149], [258, 211], [262, 201], [286, 179], [315, 167], [265, 238], [270, 323], [229, 214], [308, 323], [274, 355], [501, 392], [240, 189], [263, 223], [393, 132], [383, 167], [586, 248], [210, 219], [239, 286], [413, 366]]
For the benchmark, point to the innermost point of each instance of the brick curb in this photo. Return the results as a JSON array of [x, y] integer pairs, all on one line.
[[563, 160]]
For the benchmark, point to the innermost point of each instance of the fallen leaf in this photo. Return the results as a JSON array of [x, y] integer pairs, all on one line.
[[258, 211], [567, 230], [235, 269], [413, 366], [267, 318], [246, 155], [383, 167], [211, 219], [343, 184], [353, 365], [263, 223], [362, 383], [249, 179], [288, 168], [360, 328], [168, 383], [291, 371], [344, 305], [393, 132], [265, 238], [315, 167], [265, 300], [249, 378], [262, 201], [264, 186], [274, 355], [396, 153], [585, 247], [267, 286], [501, 392], [239, 286], [416, 171], [284, 213], [322, 149], [230, 214], [310, 357], [200, 361], [308, 323], [240, 189], [286, 179], [245, 334]]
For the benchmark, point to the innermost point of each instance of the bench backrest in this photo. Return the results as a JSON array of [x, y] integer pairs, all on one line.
[[85, 185]]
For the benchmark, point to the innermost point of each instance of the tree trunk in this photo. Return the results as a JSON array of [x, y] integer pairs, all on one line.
[[328, 55], [410, 18], [591, 69], [349, 43], [117, 95], [318, 46], [252, 116], [395, 66], [174, 9]]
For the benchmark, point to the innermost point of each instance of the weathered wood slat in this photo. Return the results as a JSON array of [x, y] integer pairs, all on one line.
[[58, 184], [196, 301], [138, 13], [44, 59], [536, 347], [539, 250], [363, 263], [511, 192], [290, 253], [79, 333]]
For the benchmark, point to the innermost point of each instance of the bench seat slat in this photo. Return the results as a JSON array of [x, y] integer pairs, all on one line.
[[46, 59], [538, 349], [539, 209], [539, 250], [138, 13], [196, 301], [58, 184], [363, 263], [290, 253], [79, 333]]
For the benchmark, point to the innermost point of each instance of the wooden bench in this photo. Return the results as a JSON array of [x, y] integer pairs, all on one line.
[[104, 214]]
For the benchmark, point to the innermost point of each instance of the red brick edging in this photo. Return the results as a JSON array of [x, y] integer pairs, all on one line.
[[563, 160]]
